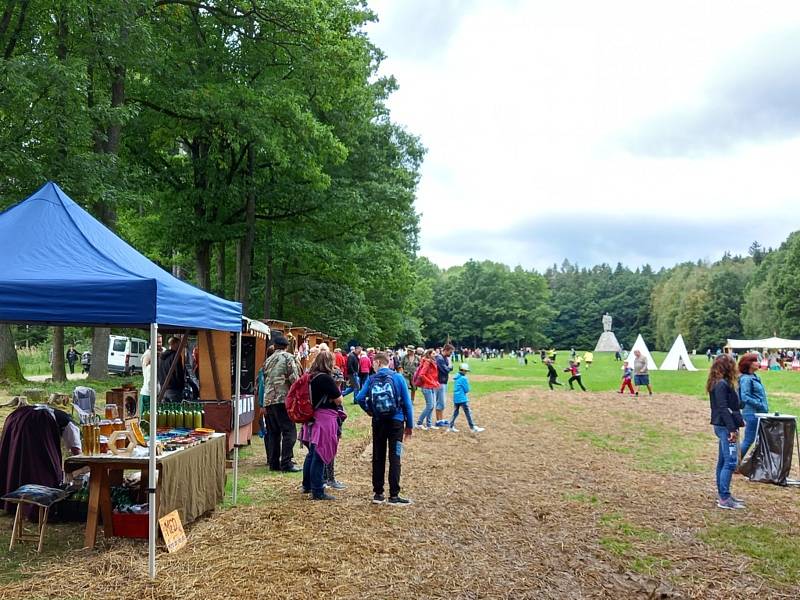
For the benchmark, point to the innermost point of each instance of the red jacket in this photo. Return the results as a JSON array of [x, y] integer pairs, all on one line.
[[429, 374], [364, 363], [341, 362]]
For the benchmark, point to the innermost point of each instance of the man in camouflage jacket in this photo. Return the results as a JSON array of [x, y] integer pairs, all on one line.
[[281, 370]]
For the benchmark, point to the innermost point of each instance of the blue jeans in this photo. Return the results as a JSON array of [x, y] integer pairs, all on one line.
[[750, 430], [425, 415], [726, 462], [441, 392], [313, 468], [467, 412]]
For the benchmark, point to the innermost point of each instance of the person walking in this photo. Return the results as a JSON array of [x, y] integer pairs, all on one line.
[[322, 434], [753, 398], [444, 367], [427, 376], [281, 370], [627, 373], [386, 399], [72, 357], [726, 419], [552, 374], [575, 372], [641, 374], [461, 400]]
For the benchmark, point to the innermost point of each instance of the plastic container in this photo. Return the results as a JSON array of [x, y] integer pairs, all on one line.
[[130, 525]]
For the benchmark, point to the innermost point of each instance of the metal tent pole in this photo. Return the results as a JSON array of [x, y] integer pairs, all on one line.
[[151, 475], [236, 407]]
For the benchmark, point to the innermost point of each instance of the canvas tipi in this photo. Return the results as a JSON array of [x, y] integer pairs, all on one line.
[[677, 354], [642, 347]]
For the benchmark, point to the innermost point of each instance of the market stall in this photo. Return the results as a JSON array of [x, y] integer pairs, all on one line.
[[52, 248], [217, 358], [190, 480]]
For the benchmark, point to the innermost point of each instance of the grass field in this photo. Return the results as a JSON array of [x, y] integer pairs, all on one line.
[[565, 495]]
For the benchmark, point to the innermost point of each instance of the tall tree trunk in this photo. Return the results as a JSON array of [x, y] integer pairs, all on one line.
[[244, 257], [58, 370], [202, 255], [221, 269], [107, 141], [9, 361], [281, 300], [269, 279], [99, 368]]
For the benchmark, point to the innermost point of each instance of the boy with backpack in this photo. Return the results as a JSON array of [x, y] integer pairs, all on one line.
[[386, 399]]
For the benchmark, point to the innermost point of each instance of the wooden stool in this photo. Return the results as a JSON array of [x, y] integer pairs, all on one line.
[[40, 496]]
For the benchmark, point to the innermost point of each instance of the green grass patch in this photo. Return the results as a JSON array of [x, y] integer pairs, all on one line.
[[620, 538], [775, 552], [582, 498], [654, 449], [60, 540]]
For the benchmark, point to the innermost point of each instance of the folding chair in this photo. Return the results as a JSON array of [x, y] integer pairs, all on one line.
[[83, 401]]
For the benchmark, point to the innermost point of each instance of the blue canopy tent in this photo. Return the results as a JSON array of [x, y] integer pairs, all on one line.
[[60, 266]]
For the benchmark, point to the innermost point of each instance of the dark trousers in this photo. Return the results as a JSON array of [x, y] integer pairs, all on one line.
[[578, 379], [71, 366], [313, 470], [552, 381], [281, 437], [386, 433]]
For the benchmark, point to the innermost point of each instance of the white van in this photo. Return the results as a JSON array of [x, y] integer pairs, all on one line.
[[125, 354]]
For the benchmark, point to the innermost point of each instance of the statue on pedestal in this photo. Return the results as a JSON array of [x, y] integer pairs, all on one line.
[[608, 341]]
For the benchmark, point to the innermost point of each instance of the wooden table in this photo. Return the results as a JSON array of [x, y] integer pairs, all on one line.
[[173, 468]]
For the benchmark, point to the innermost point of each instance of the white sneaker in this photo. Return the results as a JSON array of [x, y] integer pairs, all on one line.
[[477, 429], [452, 430]]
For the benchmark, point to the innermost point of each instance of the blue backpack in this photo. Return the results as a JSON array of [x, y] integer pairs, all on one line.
[[383, 396]]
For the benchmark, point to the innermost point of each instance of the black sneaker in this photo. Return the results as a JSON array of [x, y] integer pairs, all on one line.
[[378, 499], [292, 469], [399, 501], [324, 497]]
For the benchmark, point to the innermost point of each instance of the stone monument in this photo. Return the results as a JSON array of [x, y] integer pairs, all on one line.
[[608, 341]]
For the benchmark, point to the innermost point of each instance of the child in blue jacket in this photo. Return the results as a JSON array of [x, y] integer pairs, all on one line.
[[461, 399]]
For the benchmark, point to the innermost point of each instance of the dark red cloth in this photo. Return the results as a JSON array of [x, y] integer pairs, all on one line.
[[30, 451]]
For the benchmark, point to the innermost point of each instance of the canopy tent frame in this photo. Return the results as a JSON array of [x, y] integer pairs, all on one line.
[[124, 287], [771, 343]]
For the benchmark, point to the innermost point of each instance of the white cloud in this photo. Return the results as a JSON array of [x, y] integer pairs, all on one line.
[[522, 106]]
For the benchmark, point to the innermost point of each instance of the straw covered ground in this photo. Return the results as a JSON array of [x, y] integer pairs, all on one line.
[[565, 495]]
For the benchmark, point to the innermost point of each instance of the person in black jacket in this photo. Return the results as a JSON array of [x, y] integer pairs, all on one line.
[[726, 419], [352, 371], [174, 387], [552, 375]]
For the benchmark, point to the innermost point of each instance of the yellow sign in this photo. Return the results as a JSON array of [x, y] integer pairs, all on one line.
[[172, 530]]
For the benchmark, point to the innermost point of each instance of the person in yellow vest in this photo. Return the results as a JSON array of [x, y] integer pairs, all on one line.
[[588, 357]]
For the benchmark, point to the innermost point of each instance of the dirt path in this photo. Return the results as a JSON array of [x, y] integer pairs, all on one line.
[[564, 496]]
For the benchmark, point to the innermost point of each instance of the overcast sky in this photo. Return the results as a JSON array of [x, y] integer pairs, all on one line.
[[629, 131]]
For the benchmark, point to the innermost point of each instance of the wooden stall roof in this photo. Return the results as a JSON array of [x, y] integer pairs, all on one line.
[[283, 326]]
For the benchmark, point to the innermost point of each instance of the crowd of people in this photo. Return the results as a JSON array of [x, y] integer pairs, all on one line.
[[383, 384]]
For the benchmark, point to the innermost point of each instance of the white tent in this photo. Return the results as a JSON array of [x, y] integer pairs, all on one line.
[[675, 355], [772, 343], [642, 347]]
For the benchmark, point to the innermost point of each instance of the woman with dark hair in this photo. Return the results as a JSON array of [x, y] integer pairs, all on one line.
[[726, 419], [753, 397], [322, 434]]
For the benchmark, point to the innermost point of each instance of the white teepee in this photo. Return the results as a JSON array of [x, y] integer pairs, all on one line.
[[675, 355], [642, 347]]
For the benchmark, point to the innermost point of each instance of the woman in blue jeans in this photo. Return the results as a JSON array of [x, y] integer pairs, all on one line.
[[753, 397], [726, 419], [427, 380]]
